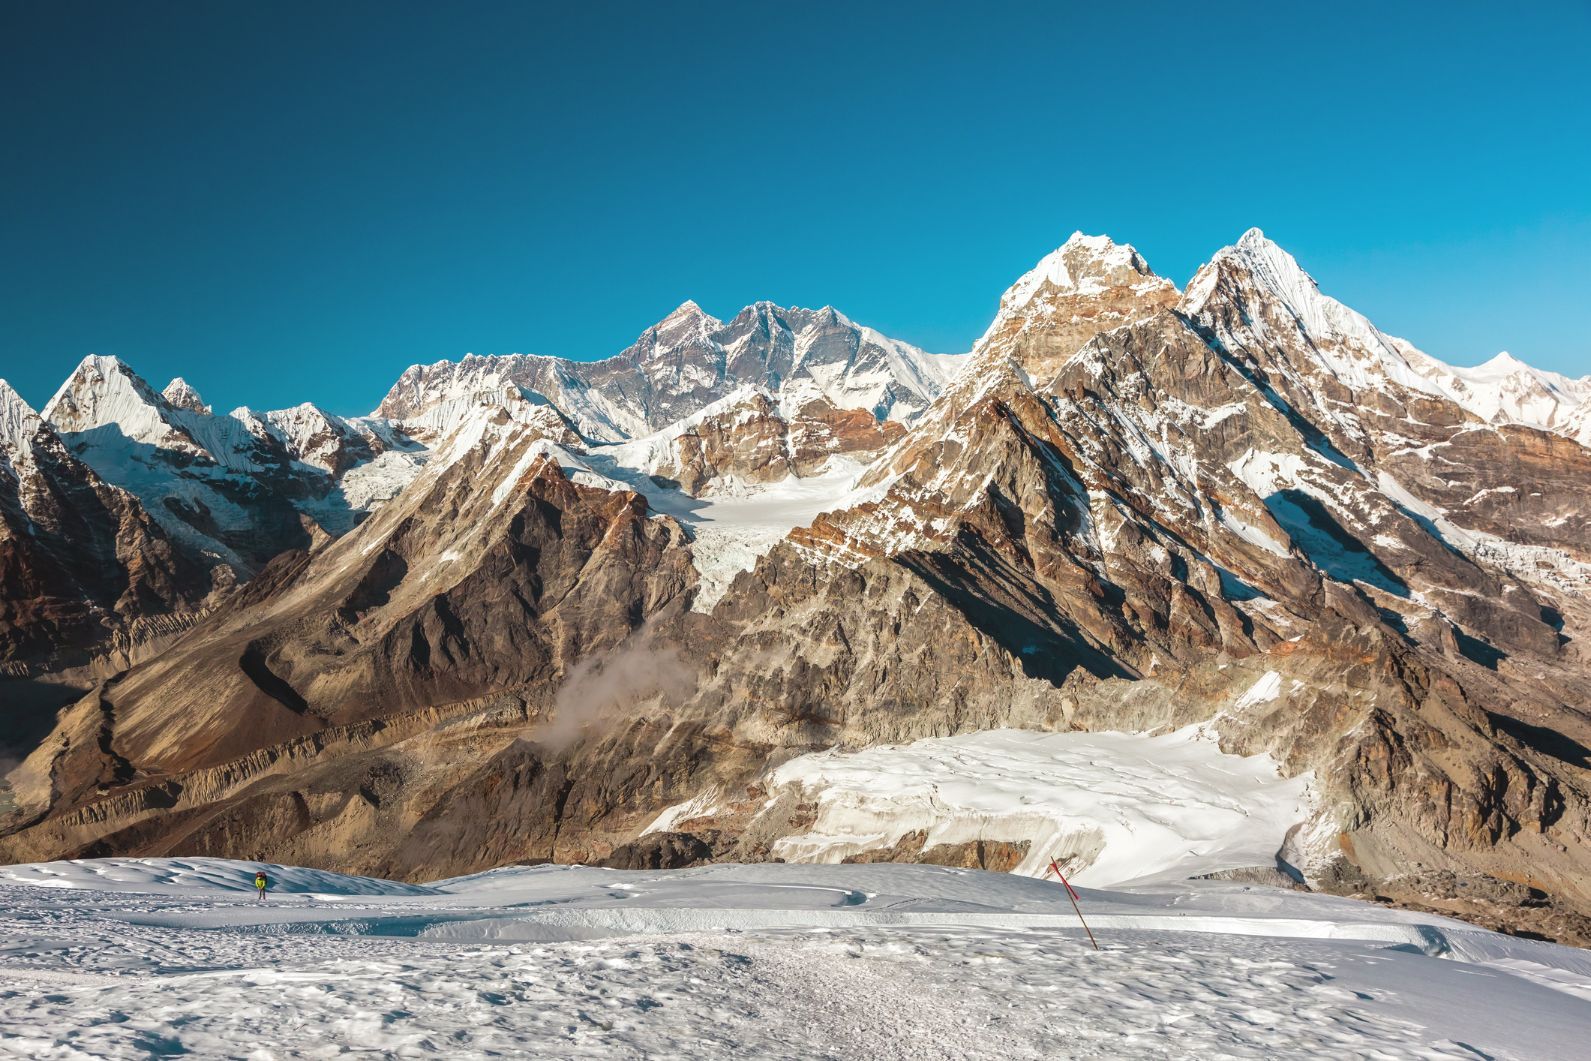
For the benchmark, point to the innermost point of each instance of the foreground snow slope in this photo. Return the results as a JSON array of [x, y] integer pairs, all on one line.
[[128, 958]]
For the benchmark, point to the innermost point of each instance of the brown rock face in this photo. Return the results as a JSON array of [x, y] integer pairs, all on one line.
[[754, 439], [996, 856], [1090, 285], [660, 851], [82, 565]]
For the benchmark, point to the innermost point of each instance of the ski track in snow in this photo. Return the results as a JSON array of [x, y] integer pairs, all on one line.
[[133, 958]]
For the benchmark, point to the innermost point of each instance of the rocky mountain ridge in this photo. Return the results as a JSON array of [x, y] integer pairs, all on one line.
[[1133, 507], [687, 361]]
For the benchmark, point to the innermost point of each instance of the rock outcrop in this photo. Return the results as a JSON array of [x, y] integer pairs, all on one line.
[[83, 567]]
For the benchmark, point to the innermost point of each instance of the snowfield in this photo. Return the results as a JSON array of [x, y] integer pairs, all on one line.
[[741, 522], [1127, 807], [141, 957]]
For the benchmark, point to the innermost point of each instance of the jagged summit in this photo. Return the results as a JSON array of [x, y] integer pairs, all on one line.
[[180, 393], [1257, 266], [1258, 295], [690, 309], [1083, 286], [1274, 270], [680, 365], [1082, 265], [1267, 301]]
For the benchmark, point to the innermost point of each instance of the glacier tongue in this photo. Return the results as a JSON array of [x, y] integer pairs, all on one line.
[[1115, 808]]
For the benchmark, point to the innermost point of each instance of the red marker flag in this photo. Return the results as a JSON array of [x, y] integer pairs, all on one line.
[[1071, 893]]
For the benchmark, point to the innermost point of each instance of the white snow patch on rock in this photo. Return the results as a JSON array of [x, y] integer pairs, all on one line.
[[696, 807], [1264, 691]]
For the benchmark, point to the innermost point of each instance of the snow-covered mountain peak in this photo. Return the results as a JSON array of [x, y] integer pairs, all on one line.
[[1260, 289], [1088, 284], [18, 421], [1271, 265], [678, 366], [689, 310], [111, 407], [1506, 366], [92, 376], [1276, 273], [309, 433], [1264, 254], [180, 393], [1255, 240], [1085, 265], [1254, 295], [689, 322], [104, 392], [1507, 390], [1503, 364]]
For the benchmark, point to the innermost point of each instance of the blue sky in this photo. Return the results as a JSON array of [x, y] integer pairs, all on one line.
[[293, 202]]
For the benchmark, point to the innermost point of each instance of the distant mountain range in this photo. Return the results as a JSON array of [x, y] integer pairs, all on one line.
[[529, 605]]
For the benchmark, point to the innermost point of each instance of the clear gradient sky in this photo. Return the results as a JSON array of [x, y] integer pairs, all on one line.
[[287, 202]]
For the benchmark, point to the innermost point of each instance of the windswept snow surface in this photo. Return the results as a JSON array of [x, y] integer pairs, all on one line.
[[138, 958], [1115, 808]]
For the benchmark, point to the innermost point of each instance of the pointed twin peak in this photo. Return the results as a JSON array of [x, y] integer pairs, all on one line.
[[180, 393], [101, 390]]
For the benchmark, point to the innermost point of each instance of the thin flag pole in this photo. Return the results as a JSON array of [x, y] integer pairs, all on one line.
[[1072, 895]]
